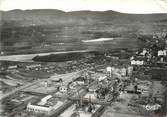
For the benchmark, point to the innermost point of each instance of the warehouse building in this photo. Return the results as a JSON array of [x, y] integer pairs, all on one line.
[[46, 105]]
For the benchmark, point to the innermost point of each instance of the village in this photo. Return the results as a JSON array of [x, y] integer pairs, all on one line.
[[101, 86]]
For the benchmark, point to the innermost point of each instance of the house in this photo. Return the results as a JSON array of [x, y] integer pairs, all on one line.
[[137, 62], [162, 53]]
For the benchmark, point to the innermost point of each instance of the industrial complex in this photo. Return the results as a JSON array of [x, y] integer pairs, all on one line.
[[103, 85]]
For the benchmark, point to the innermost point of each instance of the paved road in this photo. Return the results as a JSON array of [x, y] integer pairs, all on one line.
[[65, 77]]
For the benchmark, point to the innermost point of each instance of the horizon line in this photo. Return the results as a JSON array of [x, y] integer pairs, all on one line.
[[85, 10]]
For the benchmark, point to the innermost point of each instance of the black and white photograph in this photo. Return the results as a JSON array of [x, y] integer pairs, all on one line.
[[83, 58]]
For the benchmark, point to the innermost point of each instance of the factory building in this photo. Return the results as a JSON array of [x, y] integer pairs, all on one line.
[[38, 109], [46, 105]]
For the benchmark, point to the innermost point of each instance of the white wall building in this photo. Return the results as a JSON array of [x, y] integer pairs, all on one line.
[[137, 62], [44, 100], [162, 53], [38, 108]]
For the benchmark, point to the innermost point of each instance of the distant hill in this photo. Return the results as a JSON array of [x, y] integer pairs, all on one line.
[[57, 17]]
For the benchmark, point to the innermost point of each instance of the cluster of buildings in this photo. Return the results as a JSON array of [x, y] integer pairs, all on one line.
[[113, 80], [155, 51], [137, 61], [120, 71]]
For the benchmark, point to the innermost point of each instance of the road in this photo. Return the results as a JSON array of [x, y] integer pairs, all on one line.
[[65, 77], [19, 89]]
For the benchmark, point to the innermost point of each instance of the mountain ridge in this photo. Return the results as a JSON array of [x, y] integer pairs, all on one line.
[[55, 17]]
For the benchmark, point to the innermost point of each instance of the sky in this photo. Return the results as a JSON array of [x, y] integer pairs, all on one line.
[[124, 6]]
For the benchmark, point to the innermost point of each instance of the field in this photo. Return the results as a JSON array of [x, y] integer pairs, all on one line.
[[51, 30]]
